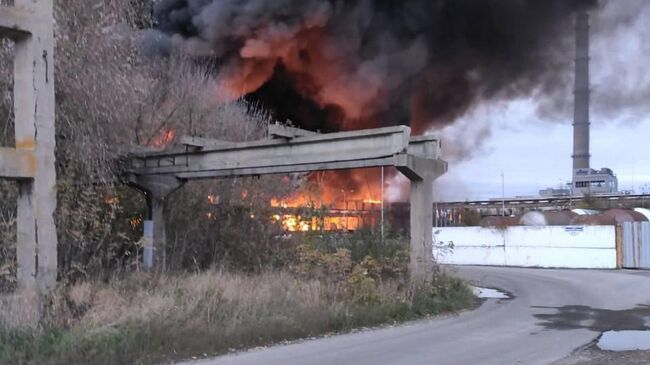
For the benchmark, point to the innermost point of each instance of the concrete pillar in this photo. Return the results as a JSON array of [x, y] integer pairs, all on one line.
[[25, 238], [421, 172], [421, 258], [34, 107], [154, 235], [156, 190], [147, 247]]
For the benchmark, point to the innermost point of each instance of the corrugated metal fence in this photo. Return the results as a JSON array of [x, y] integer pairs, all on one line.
[[636, 245]]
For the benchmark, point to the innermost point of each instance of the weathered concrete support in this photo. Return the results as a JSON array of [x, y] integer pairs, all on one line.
[[156, 190], [26, 238], [154, 253], [29, 23], [421, 255], [422, 171]]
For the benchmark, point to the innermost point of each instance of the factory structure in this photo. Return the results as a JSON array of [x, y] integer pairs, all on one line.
[[587, 225], [585, 180]]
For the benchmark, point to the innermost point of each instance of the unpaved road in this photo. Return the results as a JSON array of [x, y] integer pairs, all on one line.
[[554, 312]]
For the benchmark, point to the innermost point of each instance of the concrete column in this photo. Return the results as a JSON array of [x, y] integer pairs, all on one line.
[[421, 258], [34, 113], [26, 238], [156, 190], [154, 235], [147, 247], [421, 172]]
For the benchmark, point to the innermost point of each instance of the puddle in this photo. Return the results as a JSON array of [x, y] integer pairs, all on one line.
[[487, 293], [595, 319], [624, 341]]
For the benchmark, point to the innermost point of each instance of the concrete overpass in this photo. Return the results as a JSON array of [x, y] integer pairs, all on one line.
[[291, 150]]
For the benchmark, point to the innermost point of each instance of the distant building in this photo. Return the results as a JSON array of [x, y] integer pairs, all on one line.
[[554, 192], [589, 181]]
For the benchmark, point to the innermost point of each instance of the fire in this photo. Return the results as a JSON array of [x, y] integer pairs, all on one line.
[[296, 223], [349, 201], [163, 140], [213, 199], [357, 94]]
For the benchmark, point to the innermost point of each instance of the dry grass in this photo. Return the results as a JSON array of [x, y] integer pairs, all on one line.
[[144, 320]]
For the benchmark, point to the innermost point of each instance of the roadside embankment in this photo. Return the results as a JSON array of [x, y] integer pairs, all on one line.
[[143, 319]]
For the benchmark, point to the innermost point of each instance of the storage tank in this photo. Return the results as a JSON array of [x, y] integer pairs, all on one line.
[[625, 215], [547, 218], [644, 211], [499, 221], [581, 211], [593, 220]]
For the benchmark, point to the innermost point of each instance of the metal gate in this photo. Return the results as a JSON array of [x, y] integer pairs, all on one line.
[[636, 245]]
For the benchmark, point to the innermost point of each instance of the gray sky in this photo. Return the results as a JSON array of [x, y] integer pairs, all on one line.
[[533, 149]]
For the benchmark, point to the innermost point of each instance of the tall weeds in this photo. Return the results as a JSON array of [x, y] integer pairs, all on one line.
[[145, 320]]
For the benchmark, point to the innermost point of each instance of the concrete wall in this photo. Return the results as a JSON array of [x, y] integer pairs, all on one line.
[[546, 246]]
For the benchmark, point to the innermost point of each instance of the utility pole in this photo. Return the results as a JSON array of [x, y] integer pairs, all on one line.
[[503, 195], [382, 205], [345, 209]]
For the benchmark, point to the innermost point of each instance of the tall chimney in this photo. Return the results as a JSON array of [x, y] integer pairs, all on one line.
[[581, 95]]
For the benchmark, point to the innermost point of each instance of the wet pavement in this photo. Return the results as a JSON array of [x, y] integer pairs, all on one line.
[[489, 293], [595, 319]]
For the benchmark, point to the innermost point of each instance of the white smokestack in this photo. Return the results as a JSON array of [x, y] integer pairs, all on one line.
[[581, 95]]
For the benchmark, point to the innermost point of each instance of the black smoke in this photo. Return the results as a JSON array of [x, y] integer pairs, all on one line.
[[434, 58]]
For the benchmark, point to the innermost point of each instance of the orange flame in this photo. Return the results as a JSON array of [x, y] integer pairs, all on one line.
[[164, 139]]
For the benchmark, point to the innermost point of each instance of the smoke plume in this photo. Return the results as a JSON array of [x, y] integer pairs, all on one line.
[[335, 65]]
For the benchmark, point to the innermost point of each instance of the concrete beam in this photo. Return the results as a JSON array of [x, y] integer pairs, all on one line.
[[17, 163], [277, 130], [417, 168], [427, 146], [326, 151], [202, 143], [16, 23]]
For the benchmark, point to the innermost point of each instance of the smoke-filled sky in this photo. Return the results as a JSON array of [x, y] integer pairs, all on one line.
[[439, 65], [532, 146]]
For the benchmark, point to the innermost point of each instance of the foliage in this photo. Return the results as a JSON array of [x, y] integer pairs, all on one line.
[[111, 100], [145, 320]]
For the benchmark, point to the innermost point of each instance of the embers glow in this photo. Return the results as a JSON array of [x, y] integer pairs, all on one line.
[[342, 201], [164, 139], [213, 199], [296, 223]]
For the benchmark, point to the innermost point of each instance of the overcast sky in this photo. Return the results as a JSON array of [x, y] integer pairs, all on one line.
[[533, 149]]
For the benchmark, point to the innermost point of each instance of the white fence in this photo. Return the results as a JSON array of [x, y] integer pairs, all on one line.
[[546, 246]]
